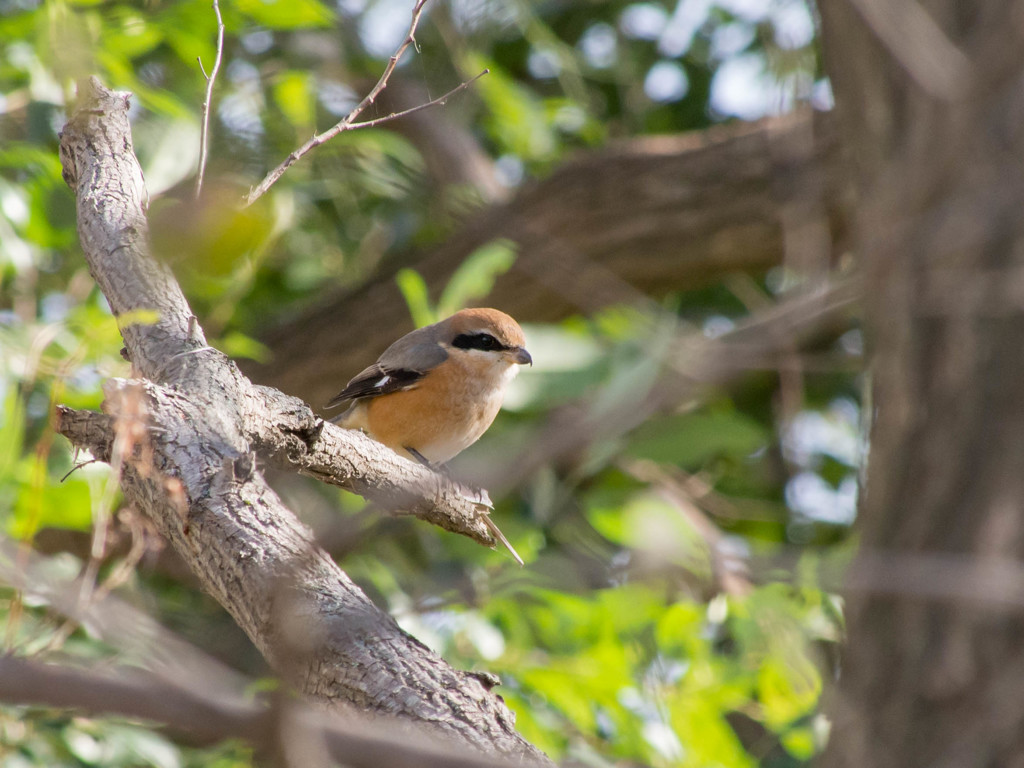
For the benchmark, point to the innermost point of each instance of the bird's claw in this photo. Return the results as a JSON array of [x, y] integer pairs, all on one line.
[[477, 496]]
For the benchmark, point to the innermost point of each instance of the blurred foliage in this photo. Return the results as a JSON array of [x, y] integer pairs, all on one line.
[[620, 641], [52, 739]]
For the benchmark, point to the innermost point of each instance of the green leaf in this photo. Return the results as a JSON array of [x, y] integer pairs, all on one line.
[[287, 14], [12, 434], [679, 626], [53, 505], [235, 344], [475, 277], [653, 526], [698, 720], [800, 743], [417, 296], [190, 30], [690, 440], [788, 687], [516, 117], [295, 95]]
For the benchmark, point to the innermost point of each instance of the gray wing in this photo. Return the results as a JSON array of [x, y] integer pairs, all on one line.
[[401, 366]]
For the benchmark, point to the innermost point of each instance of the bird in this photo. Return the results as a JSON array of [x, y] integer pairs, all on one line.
[[436, 390]]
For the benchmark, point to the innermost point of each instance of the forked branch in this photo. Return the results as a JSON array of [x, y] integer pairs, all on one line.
[[348, 123]]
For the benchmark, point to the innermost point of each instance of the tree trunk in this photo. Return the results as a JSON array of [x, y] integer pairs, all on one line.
[[183, 442], [929, 99]]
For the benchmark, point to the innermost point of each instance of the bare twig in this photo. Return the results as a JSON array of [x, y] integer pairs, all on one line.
[[493, 527], [77, 466], [129, 437], [348, 123], [204, 137], [141, 543], [439, 101]]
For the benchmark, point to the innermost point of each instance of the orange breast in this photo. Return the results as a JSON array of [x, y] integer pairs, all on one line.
[[444, 414]]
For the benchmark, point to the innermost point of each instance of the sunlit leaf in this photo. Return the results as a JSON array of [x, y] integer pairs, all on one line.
[[235, 344], [476, 276], [295, 96], [689, 440], [54, 505], [414, 291], [516, 118], [287, 14]]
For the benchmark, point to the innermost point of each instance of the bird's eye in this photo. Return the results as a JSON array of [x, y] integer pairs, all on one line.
[[483, 341]]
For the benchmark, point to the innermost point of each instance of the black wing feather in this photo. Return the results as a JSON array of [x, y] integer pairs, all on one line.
[[401, 366], [375, 381]]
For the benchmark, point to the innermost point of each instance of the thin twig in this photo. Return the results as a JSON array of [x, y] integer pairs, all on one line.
[[124, 570], [348, 123], [78, 465], [204, 136], [102, 510], [439, 101]]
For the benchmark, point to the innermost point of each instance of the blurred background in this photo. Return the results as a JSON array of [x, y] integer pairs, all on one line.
[[654, 189]]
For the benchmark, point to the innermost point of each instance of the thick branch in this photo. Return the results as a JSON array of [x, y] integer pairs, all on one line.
[[285, 430], [187, 444], [136, 694], [157, 325], [642, 218]]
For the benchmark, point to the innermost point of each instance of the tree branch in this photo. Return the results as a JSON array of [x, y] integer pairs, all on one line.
[[439, 101], [191, 467], [204, 137], [348, 123], [137, 694]]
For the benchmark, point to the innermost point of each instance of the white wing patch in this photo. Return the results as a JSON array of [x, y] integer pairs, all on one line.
[[383, 380]]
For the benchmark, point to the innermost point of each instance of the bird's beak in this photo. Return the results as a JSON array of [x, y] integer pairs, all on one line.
[[522, 357]]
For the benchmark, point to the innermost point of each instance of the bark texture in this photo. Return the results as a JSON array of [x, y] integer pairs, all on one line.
[[929, 98], [184, 438], [622, 225]]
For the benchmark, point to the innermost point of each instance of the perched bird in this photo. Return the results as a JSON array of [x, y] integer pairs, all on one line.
[[435, 391]]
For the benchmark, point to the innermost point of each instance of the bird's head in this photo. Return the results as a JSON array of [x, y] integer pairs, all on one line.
[[486, 334]]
